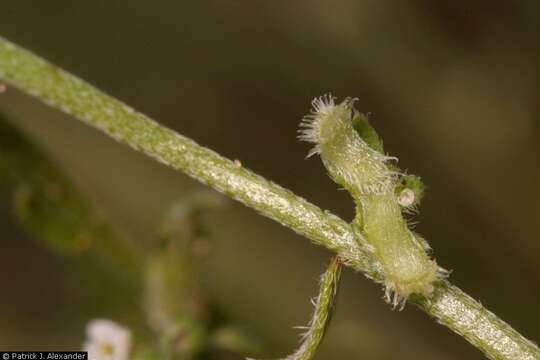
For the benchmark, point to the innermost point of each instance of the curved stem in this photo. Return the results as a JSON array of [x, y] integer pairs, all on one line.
[[61, 90], [324, 305]]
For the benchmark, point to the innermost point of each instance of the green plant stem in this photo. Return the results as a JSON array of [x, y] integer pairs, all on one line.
[[324, 307], [59, 89], [48, 205]]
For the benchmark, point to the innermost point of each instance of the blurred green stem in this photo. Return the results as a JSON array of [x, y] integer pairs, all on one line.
[[49, 205], [175, 305], [59, 89]]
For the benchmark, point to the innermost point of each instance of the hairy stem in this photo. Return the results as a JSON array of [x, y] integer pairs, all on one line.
[[324, 306], [59, 89]]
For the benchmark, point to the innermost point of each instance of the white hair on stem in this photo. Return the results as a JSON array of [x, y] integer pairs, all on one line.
[[324, 305]]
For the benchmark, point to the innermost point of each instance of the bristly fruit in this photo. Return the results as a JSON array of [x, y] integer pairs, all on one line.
[[353, 154]]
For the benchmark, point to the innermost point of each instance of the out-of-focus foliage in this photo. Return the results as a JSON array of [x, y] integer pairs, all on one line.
[[46, 204], [185, 324]]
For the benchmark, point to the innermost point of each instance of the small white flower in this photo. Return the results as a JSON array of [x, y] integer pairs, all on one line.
[[107, 340]]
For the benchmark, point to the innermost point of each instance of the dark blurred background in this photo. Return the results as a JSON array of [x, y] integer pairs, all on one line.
[[453, 88]]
